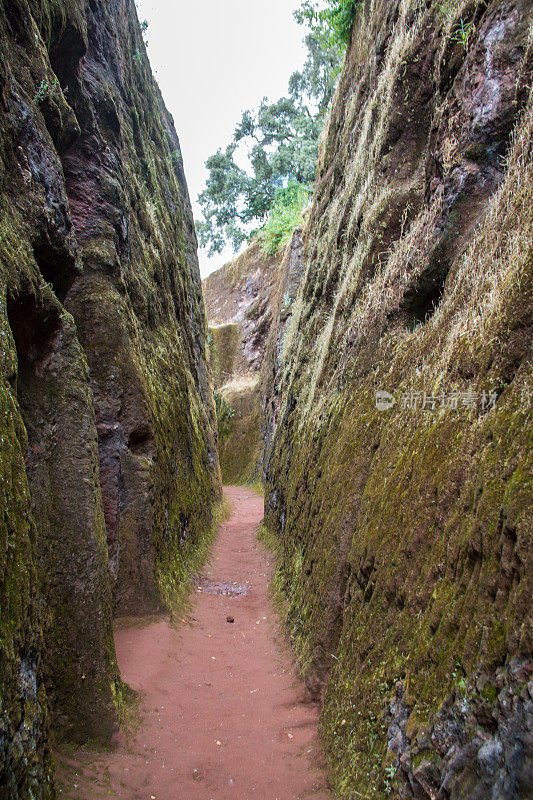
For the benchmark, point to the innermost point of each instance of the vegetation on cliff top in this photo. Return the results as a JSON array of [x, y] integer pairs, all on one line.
[[284, 217], [332, 25], [279, 141]]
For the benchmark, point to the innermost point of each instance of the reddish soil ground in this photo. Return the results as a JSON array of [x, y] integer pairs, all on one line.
[[223, 715]]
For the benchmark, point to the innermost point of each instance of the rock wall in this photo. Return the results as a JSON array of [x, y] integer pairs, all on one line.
[[108, 461], [403, 519], [283, 302], [239, 306]]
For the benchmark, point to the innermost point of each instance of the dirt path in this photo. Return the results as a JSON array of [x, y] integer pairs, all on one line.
[[223, 714]]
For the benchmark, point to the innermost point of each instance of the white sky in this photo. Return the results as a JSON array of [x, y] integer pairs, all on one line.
[[213, 59]]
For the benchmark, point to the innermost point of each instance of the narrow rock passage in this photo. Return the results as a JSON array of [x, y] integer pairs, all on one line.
[[223, 714]]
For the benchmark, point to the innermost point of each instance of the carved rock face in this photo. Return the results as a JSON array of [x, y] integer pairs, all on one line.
[[108, 423], [405, 529], [240, 301]]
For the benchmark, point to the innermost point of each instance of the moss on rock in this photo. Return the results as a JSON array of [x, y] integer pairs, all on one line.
[[240, 443], [404, 534], [224, 341], [110, 424], [25, 760]]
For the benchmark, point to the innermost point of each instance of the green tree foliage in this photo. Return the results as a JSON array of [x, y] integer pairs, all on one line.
[[279, 142], [332, 25], [284, 217]]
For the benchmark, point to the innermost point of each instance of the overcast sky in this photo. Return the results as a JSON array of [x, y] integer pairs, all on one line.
[[213, 59]]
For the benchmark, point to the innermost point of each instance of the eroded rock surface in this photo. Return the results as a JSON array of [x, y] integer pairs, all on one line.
[[405, 530], [241, 293], [240, 301], [108, 430]]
